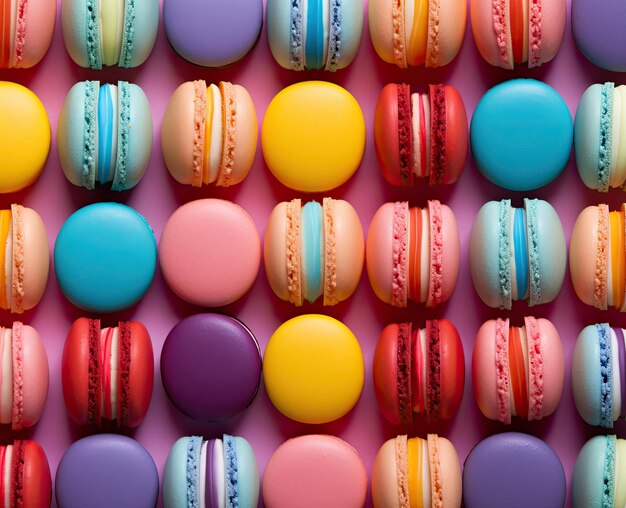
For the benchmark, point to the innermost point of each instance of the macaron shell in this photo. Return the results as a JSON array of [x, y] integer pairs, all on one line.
[[378, 253], [451, 480], [452, 19], [75, 371], [144, 27], [34, 376], [587, 135], [351, 31], [587, 376], [385, 477], [583, 253], [381, 28], [484, 371], [175, 475], [37, 482], [385, 374], [452, 370], [451, 256], [456, 133], [245, 135], [74, 25], [141, 373], [70, 133], [553, 366], [484, 257], [39, 27], [314, 470], [588, 480], [275, 251], [553, 16], [247, 474], [386, 136], [481, 19]]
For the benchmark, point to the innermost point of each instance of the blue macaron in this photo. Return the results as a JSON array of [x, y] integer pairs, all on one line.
[[314, 34], [521, 134], [217, 472], [517, 253], [105, 134], [105, 257]]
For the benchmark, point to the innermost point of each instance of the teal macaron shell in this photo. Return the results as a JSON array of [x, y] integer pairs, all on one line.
[[490, 248], [593, 479], [82, 31], [521, 134], [105, 257], [80, 130], [290, 34]]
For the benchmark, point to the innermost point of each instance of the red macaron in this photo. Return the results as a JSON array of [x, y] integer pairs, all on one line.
[[419, 371], [107, 373], [420, 135], [28, 476]]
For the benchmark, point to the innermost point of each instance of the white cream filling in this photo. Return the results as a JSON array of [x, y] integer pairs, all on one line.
[[6, 478], [113, 366], [620, 474], [426, 101], [6, 376], [415, 132], [219, 472], [425, 255], [421, 343], [215, 147], [326, 22]]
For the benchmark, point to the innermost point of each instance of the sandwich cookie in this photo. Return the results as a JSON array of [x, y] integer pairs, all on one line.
[[25, 477]]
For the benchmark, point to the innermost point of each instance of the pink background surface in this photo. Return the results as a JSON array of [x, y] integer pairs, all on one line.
[[158, 195]]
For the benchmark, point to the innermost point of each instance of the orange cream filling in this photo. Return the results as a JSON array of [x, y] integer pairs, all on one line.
[[517, 369], [618, 257], [414, 459], [5, 229], [416, 54], [518, 12], [415, 249]]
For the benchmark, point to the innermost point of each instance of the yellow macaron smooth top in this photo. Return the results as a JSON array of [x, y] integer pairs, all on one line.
[[24, 137], [313, 369], [313, 136]]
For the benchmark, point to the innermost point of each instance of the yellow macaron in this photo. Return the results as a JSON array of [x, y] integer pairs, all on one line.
[[313, 369]]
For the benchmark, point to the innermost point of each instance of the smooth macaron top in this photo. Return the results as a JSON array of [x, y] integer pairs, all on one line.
[[521, 134], [111, 468], [210, 252], [96, 142], [599, 34], [318, 34], [313, 136], [212, 34], [209, 133], [408, 33], [219, 354], [517, 254], [105, 257], [314, 250], [598, 477], [514, 470], [517, 371], [315, 470], [515, 32], [101, 33]]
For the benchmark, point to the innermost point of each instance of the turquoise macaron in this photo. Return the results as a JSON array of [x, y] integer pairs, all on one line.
[[521, 134], [101, 33], [599, 477], [217, 472], [517, 253], [105, 257], [314, 34], [96, 142]]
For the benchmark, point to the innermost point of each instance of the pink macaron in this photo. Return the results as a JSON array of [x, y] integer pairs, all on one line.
[[517, 371], [413, 253]]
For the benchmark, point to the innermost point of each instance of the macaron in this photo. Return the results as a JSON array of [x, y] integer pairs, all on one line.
[[599, 34], [517, 253], [315, 470], [598, 477], [517, 370], [27, 26], [209, 133], [419, 371], [212, 34], [210, 252], [313, 136], [599, 374], [420, 135], [314, 250], [107, 372], [514, 470], [101, 33], [24, 260], [211, 367], [521, 134], [416, 472], [597, 257], [105, 257], [106, 470], [409, 33], [323, 34], [25, 476], [313, 369], [510, 33], [105, 134], [600, 137], [413, 253], [213, 472], [24, 136]]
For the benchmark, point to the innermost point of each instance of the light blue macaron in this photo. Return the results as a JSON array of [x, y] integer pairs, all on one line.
[[105, 257], [521, 134], [217, 472], [314, 34], [517, 254], [105, 134]]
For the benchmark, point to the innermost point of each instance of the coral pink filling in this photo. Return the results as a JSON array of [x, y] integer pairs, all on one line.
[[535, 369], [433, 378], [502, 370], [436, 484], [199, 119], [500, 9], [330, 253], [534, 33], [436, 254], [405, 136], [600, 294], [17, 348], [399, 288], [437, 94], [294, 287]]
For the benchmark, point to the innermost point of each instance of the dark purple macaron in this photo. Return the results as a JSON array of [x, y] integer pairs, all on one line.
[[514, 470], [211, 367], [212, 33], [107, 470]]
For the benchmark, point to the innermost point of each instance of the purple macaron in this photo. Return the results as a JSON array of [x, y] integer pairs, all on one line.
[[514, 470], [211, 367], [213, 33], [107, 470]]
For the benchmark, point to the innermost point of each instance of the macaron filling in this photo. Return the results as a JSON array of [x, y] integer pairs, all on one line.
[[312, 250], [520, 255], [6, 462], [620, 473], [314, 58], [420, 106], [6, 255], [315, 37], [112, 25], [416, 30], [107, 132], [6, 376], [6, 39], [418, 472], [109, 32], [109, 340], [518, 371], [212, 149], [419, 254], [616, 277]]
